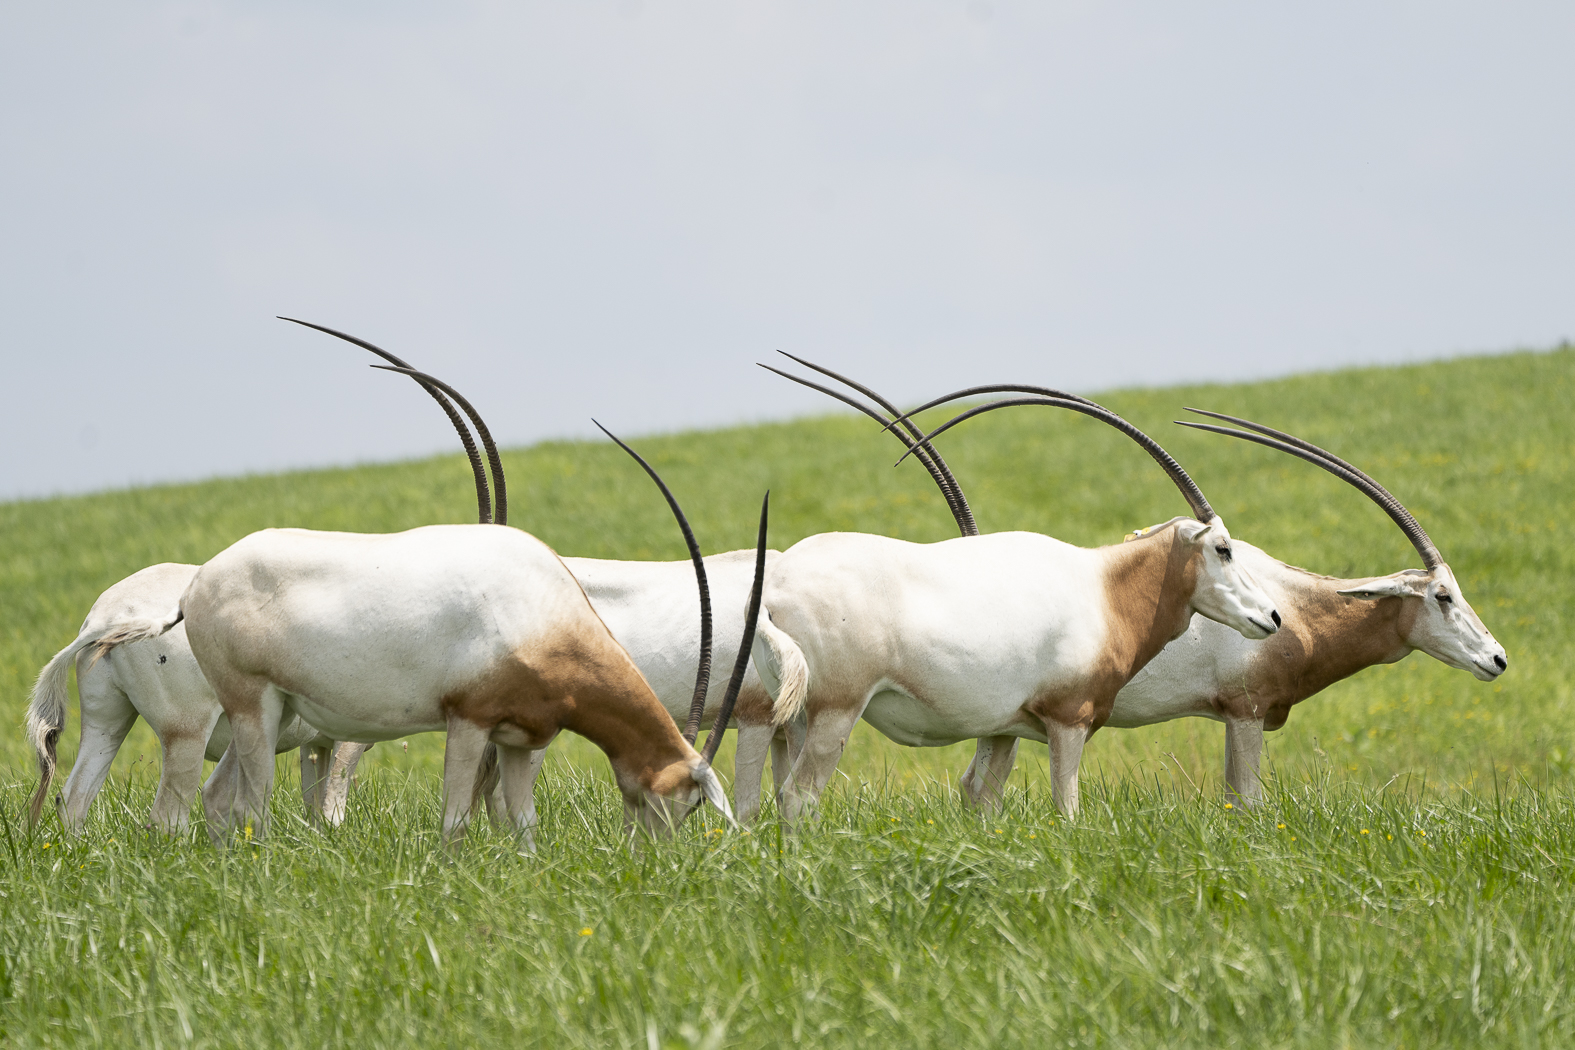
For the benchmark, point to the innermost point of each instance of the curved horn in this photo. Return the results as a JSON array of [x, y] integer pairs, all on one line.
[[927, 455], [481, 431], [483, 494], [1189, 488], [703, 676], [1306, 450], [996, 388], [724, 715]]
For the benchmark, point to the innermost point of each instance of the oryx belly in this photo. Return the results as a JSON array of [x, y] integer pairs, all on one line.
[[948, 640]]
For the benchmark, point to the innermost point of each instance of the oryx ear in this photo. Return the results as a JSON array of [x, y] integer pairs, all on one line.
[[1191, 530], [715, 794], [1388, 587]]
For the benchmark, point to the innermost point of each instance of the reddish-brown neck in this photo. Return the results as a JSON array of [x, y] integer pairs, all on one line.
[[1148, 586]]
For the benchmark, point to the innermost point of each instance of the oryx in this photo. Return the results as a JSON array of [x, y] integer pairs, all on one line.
[[159, 681], [1012, 634]]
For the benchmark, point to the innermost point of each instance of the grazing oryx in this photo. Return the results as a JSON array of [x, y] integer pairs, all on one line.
[[1012, 634], [1336, 628], [159, 681], [474, 630]]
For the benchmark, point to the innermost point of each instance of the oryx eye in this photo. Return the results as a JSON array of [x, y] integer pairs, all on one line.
[[1444, 599], [1223, 552]]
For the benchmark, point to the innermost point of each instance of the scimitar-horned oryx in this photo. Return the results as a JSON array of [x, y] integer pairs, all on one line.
[[648, 606], [158, 680], [474, 630], [1337, 627], [1011, 634]]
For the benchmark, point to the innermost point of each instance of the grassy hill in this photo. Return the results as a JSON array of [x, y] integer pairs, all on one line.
[[1478, 448], [1407, 882]]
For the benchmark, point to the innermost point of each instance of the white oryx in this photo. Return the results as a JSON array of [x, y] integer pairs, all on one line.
[[474, 630], [1012, 634], [159, 681], [1335, 628]]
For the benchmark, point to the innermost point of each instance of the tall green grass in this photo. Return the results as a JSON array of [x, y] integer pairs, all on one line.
[[1160, 917]]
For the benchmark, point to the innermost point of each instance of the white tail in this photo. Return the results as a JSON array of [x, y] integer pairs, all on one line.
[[783, 670], [46, 709], [46, 717]]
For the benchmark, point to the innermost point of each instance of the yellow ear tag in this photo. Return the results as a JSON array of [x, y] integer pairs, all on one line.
[[1136, 534]]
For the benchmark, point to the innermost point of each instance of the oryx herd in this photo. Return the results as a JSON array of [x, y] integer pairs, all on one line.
[[330, 642]]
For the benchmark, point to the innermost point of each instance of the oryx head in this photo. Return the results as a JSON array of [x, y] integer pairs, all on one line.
[[664, 797], [675, 792], [1223, 589], [1434, 616]]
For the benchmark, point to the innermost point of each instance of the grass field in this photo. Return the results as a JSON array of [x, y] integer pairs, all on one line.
[[1408, 883]]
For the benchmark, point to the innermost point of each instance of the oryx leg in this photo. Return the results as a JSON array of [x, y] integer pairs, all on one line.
[[463, 755], [1066, 751], [336, 792], [489, 789], [1243, 752], [518, 768], [240, 805], [824, 741], [315, 761], [183, 749], [107, 716], [984, 781], [786, 746], [755, 741]]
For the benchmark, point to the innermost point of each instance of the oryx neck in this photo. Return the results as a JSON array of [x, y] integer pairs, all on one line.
[[1148, 586]]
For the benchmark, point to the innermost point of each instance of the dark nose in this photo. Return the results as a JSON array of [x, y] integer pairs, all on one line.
[[1503, 664], [1276, 615]]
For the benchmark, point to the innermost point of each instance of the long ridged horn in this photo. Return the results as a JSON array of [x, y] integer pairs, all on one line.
[[994, 388], [703, 676], [483, 493], [481, 431], [1357, 478], [1189, 488], [951, 491], [724, 715]]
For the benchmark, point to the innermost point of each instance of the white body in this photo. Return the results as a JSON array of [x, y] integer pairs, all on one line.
[[476, 630], [1009, 635], [158, 680]]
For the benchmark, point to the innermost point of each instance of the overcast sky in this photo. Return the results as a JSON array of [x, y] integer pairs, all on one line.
[[618, 207]]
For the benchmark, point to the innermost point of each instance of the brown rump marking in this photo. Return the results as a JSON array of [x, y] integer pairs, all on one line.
[[586, 684], [1149, 582]]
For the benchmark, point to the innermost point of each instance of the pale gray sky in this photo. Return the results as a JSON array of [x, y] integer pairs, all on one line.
[[618, 207]]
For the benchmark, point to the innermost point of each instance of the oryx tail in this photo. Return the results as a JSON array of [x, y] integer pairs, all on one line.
[[46, 709], [783, 670]]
